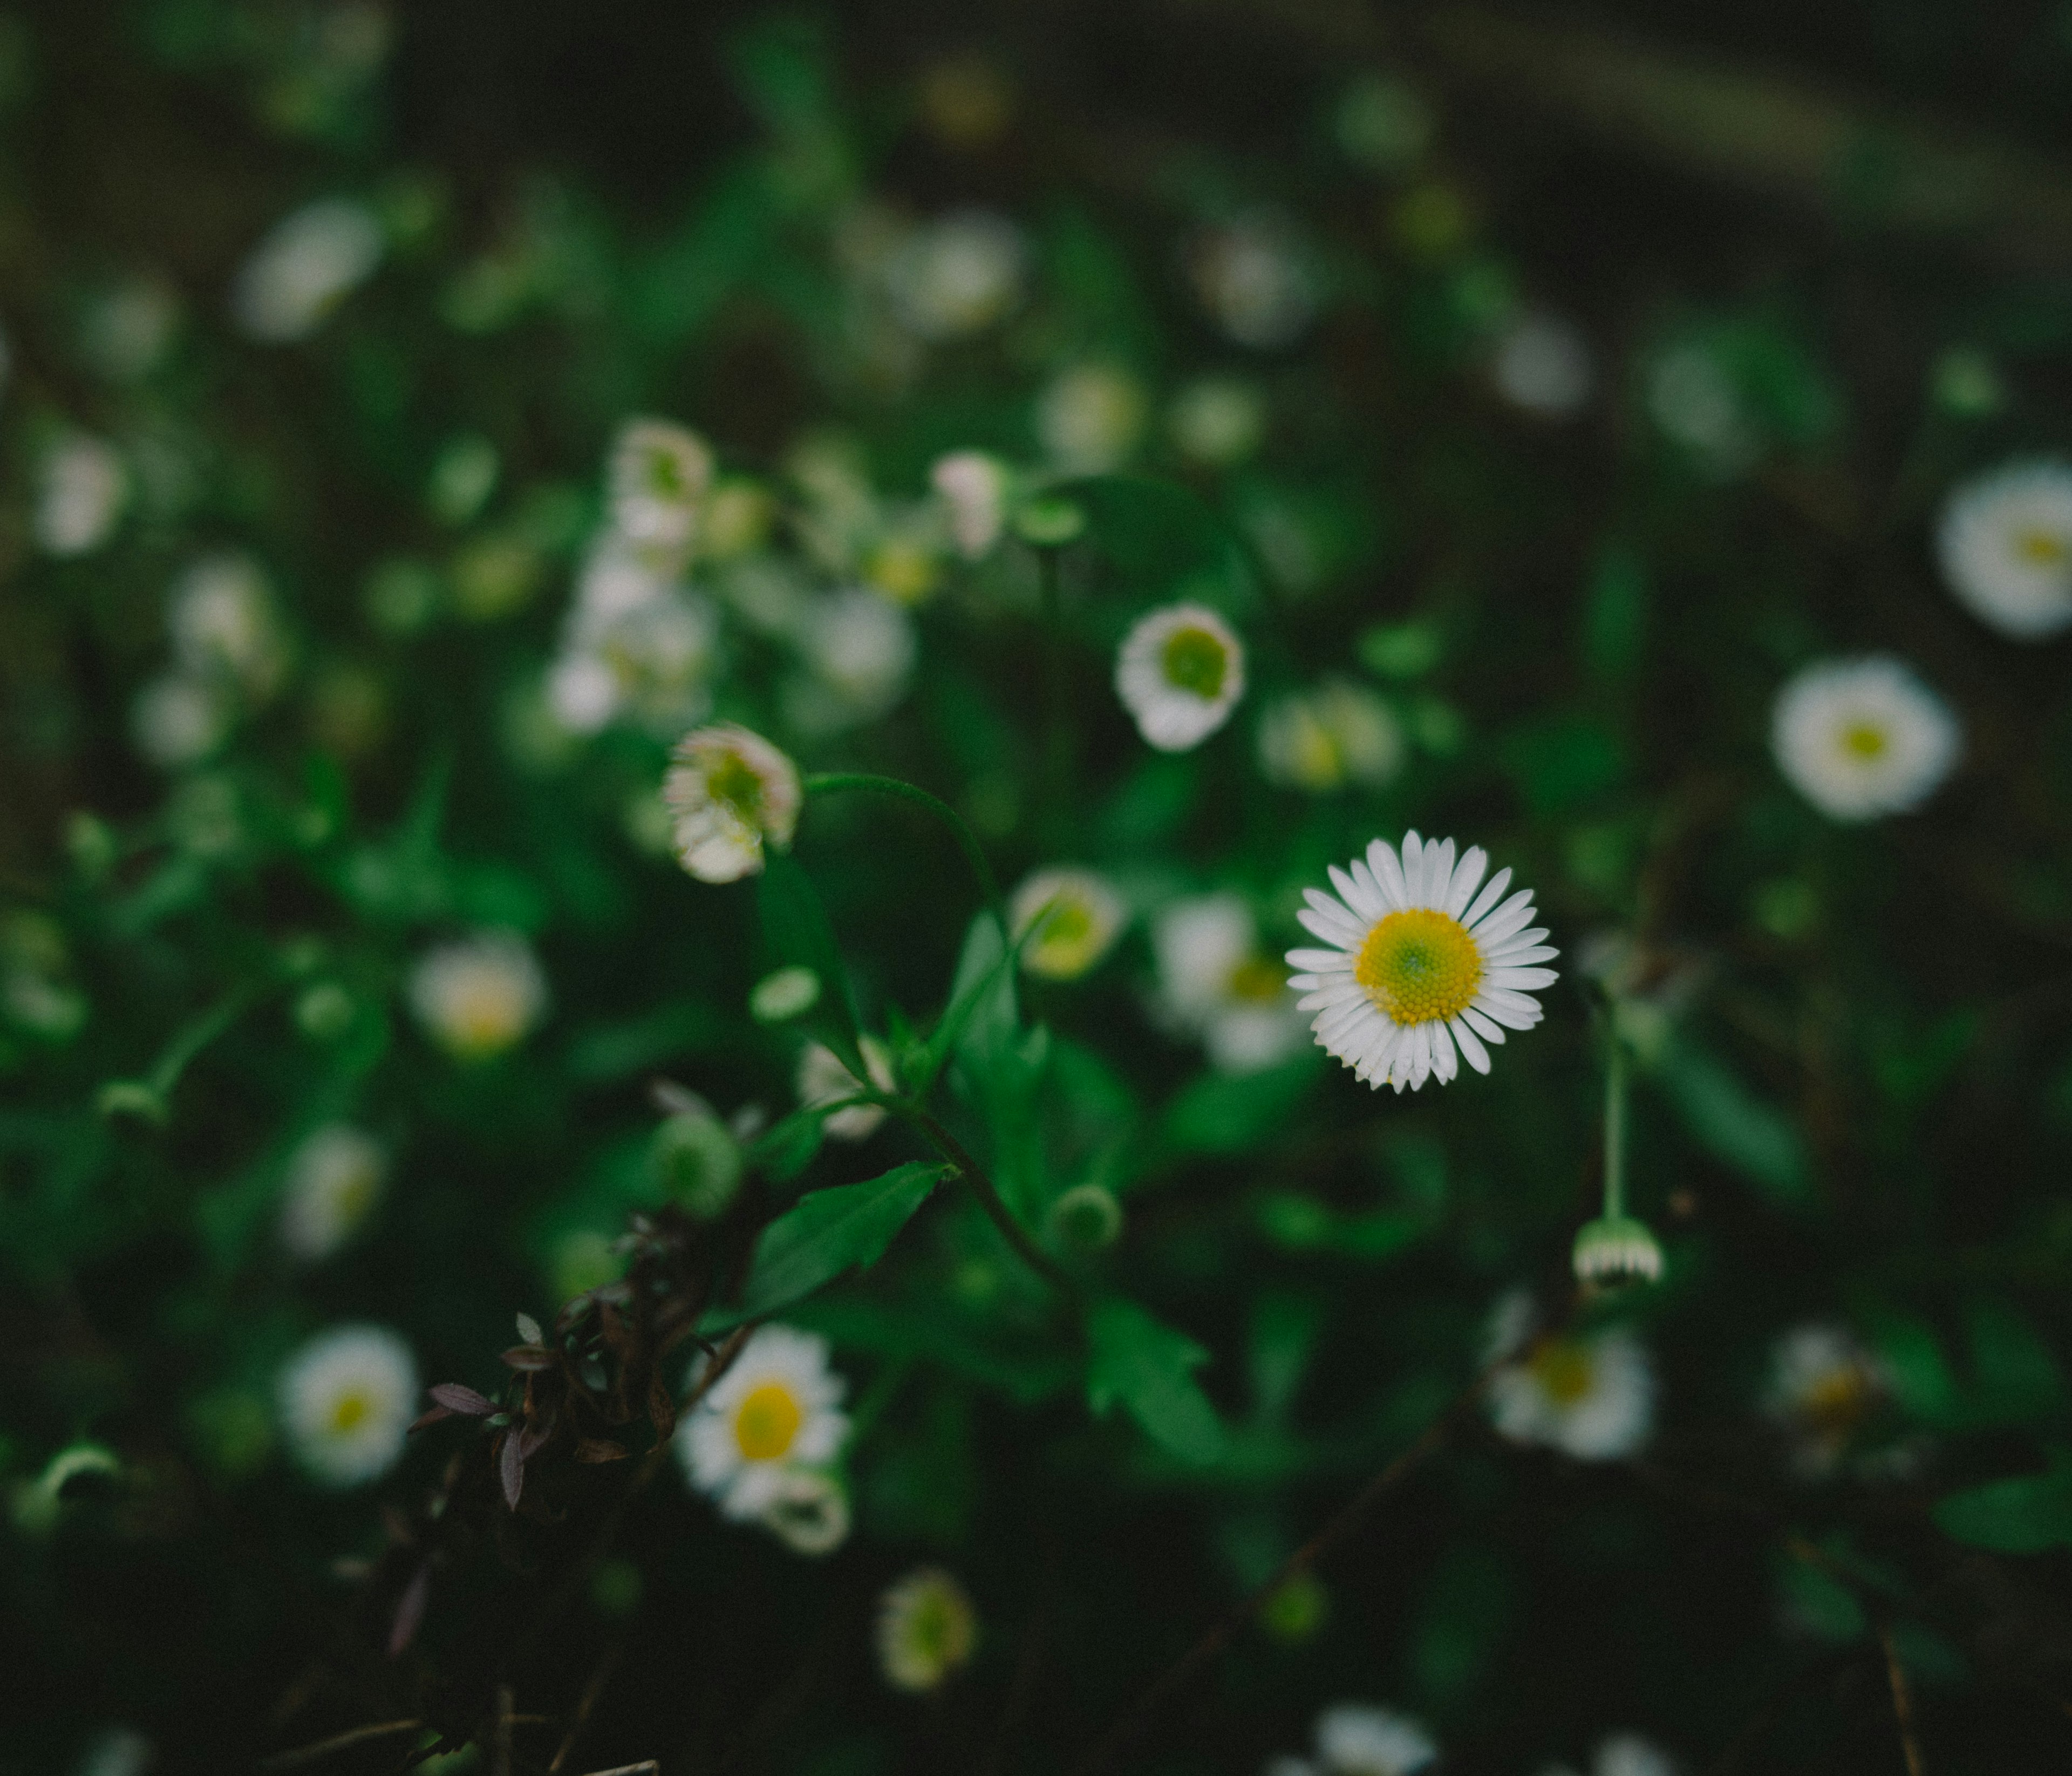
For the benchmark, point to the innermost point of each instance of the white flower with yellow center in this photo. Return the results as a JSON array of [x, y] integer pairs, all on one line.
[[346, 1398], [83, 487], [305, 266], [480, 995], [1425, 969], [223, 624], [1070, 919], [659, 475], [1863, 737], [810, 1513], [974, 488], [2005, 543], [731, 791], [1361, 1739], [1590, 1395], [1214, 982], [1180, 673], [1824, 1385], [1339, 734], [776, 1411], [824, 1078], [1092, 419], [927, 1629], [335, 1180]]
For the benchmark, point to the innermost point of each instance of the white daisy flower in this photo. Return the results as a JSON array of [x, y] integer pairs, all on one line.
[[1217, 421], [2005, 543], [80, 498], [1425, 969], [731, 791], [1862, 738], [346, 1398], [824, 1078], [1359, 1739], [223, 625], [809, 1513], [860, 647], [957, 275], [649, 657], [1543, 366], [1254, 279], [479, 996], [1629, 1755], [1214, 982], [335, 1180], [777, 1410], [310, 262], [178, 719], [927, 1629], [1338, 735], [973, 487], [1091, 419], [1824, 1383], [1180, 673], [659, 475], [1589, 1394], [1074, 915]]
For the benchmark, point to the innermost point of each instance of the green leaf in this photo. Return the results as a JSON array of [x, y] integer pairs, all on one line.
[[1615, 612], [1730, 1122], [1148, 1368], [2024, 1516], [981, 1000], [1236, 1113], [1160, 533], [786, 1149], [796, 933], [826, 1233]]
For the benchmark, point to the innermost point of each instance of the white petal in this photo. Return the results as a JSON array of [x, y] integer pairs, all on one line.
[[1470, 1046], [1439, 873], [1363, 901], [1342, 931], [1464, 879], [1388, 873], [1492, 891], [1413, 868], [1521, 980], [1444, 1062], [1365, 877], [1512, 1010], [1481, 1025], [1519, 958], [1328, 961]]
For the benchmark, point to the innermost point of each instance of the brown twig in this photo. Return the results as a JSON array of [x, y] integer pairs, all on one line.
[[499, 1738], [606, 1666], [641, 1769], [1902, 1700], [323, 1748]]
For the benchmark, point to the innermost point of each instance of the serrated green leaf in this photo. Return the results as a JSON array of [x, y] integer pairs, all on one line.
[[1143, 1365], [2024, 1515], [825, 1233]]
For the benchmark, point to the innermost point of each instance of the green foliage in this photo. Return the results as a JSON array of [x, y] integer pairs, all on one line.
[[828, 1231], [1147, 1368]]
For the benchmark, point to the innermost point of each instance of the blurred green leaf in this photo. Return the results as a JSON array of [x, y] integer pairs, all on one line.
[[1229, 1113], [825, 1233], [1730, 1122], [1615, 611], [1161, 535], [2025, 1515], [1145, 1366], [1561, 762]]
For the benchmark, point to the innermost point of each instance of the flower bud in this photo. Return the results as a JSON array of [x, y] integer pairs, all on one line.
[[1616, 1250], [1087, 1217]]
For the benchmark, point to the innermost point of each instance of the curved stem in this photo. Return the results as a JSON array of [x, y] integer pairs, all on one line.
[[990, 1200], [1614, 1124], [828, 782]]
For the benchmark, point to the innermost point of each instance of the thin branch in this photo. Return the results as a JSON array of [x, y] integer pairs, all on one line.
[[606, 1666], [499, 1743], [1902, 1701], [323, 1748], [997, 1210], [647, 1767]]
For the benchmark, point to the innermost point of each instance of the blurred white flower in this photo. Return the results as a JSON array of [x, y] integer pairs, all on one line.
[[309, 263], [1071, 916], [659, 476], [973, 486], [1091, 419], [82, 487], [117, 1751], [777, 1410], [1589, 1394], [1214, 982], [635, 645], [957, 275], [335, 1180], [1823, 1384], [1543, 364], [179, 720], [860, 647], [1694, 401], [808, 1510], [1217, 421], [1422, 969], [927, 1629], [1360, 1739], [1338, 734], [1255, 279], [1180, 673], [479, 996], [1862, 738], [2005, 543], [346, 1398], [223, 624], [823, 1078], [1629, 1754], [731, 791]]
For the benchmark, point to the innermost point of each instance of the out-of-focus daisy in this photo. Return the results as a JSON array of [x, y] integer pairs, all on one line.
[[777, 1410], [1364, 1739], [927, 1629], [1255, 279], [1424, 969], [1218, 421], [1180, 673], [1091, 419], [860, 649], [335, 1180], [79, 496], [957, 275], [824, 1078], [1589, 1394], [731, 791], [179, 720], [636, 645], [223, 624], [1824, 1385], [659, 475], [1542, 365], [1862, 738], [346, 1398], [1696, 404], [1070, 917], [2005, 543], [1215, 983], [808, 1511], [310, 262], [1337, 735], [973, 487], [479, 996]]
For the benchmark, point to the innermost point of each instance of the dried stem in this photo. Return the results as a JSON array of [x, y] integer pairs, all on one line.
[[1902, 1701], [323, 1748]]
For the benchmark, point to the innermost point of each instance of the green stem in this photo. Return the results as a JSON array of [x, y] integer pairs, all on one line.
[[990, 1200], [1614, 1124], [828, 782], [1057, 712]]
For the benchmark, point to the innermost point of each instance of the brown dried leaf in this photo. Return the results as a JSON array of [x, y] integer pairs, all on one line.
[[591, 1449], [464, 1400], [528, 1356], [511, 1468]]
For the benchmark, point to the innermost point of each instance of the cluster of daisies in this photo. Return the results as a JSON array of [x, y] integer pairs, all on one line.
[[1367, 1739]]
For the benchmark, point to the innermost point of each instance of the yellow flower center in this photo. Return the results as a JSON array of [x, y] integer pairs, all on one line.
[[902, 571], [1257, 982], [1563, 1369], [1834, 1403], [664, 475], [1195, 661], [1865, 740], [766, 1421], [2040, 547], [1419, 967], [731, 781], [348, 1411], [486, 1016]]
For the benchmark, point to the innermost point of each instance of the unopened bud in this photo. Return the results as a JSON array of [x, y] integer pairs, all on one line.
[[1616, 1250], [1087, 1216], [789, 993]]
